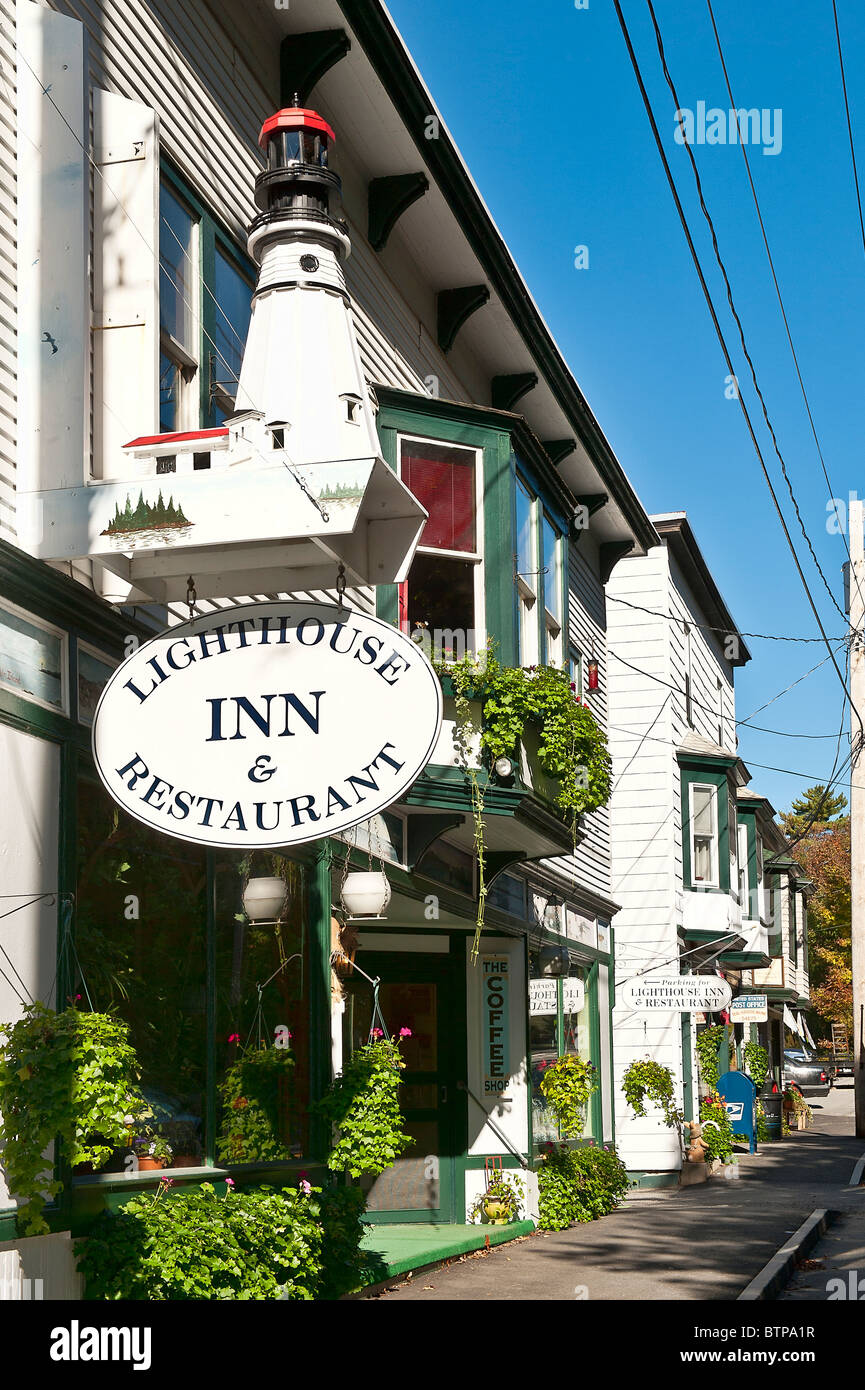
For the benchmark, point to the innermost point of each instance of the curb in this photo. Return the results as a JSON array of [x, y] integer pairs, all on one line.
[[773, 1276], [856, 1179]]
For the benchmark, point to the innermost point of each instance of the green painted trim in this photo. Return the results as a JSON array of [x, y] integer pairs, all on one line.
[[707, 773], [646, 1178], [750, 959], [319, 899], [688, 1096], [211, 1010], [593, 1005]]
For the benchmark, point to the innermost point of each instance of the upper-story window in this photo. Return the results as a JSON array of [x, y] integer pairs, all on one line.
[[704, 835], [444, 591], [179, 313], [539, 588], [205, 297], [743, 869], [794, 928]]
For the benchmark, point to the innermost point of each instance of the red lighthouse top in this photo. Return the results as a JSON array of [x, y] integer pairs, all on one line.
[[294, 118]]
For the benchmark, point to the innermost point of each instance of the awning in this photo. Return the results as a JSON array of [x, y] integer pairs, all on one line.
[[791, 1022], [806, 1034]]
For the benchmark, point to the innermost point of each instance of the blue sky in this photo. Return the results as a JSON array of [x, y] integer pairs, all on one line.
[[545, 108]]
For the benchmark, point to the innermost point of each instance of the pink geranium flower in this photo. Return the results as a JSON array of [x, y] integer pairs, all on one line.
[[405, 1032]]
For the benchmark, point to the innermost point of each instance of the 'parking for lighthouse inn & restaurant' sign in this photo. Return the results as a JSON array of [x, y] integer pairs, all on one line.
[[266, 725], [687, 994]]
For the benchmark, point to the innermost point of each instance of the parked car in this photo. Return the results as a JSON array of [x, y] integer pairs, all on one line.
[[810, 1074]]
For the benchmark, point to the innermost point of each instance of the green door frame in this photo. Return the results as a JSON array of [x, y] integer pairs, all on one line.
[[448, 972]]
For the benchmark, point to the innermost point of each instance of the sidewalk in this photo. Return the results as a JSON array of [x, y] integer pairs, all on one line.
[[695, 1243]]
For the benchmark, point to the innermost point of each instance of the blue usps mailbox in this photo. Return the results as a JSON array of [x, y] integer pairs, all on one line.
[[739, 1095]]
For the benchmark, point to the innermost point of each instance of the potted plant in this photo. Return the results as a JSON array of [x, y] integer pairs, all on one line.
[[568, 1084], [151, 1150], [256, 1097], [499, 1204]]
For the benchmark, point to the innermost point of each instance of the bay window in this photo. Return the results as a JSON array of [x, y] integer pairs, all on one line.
[[539, 563], [178, 313], [704, 835], [743, 870], [443, 595]]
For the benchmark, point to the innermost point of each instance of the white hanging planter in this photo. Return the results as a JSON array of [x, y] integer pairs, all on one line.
[[264, 899], [366, 894]]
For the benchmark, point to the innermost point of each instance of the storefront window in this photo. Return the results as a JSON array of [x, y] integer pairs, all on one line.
[[558, 1024], [270, 955], [140, 951]]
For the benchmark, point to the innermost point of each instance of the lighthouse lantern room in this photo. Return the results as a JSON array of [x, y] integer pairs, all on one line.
[[293, 484]]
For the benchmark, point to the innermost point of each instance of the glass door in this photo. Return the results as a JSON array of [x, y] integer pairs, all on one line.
[[417, 992]]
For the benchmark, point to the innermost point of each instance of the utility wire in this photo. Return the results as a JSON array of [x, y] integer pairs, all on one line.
[[758, 728], [744, 148], [781, 693], [711, 627], [849, 123], [723, 269], [719, 331]]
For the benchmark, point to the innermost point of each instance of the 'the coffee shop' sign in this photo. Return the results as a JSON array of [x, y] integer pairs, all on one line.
[[266, 725]]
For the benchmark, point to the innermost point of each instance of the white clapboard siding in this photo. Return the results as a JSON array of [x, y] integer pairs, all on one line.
[[8, 270]]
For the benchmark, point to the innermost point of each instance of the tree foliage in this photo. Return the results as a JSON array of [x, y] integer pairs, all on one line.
[[824, 853]]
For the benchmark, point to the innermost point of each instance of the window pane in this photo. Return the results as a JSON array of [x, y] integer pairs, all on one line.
[[443, 480], [527, 550], [170, 383], [552, 571], [93, 676], [248, 953], [176, 270], [441, 595], [703, 819], [140, 909], [233, 295], [31, 659]]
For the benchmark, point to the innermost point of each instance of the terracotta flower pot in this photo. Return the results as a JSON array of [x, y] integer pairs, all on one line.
[[148, 1164]]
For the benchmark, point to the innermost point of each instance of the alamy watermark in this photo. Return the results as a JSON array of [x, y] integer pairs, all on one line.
[[717, 126]]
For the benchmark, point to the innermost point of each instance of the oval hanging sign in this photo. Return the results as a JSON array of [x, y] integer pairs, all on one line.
[[267, 725], [687, 994]]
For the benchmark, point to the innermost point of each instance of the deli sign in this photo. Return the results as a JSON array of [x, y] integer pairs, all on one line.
[[267, 725], [687, 994]]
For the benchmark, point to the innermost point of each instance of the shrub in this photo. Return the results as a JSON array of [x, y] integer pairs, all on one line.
[[261, 1244], [580, 1185]]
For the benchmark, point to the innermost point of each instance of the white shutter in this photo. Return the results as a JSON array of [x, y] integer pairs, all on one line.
[[125, 279], [53, 309]]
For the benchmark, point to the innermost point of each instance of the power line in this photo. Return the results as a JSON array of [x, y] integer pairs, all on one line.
[[758, 728], [723, 269], [787, 688], [719, 331], [711, 627], [744, 148], [849, 122]]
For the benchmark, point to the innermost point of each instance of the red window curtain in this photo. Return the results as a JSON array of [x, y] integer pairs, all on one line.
[[443, 481]]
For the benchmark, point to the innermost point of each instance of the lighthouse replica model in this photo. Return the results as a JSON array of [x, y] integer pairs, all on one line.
[[291, 491]]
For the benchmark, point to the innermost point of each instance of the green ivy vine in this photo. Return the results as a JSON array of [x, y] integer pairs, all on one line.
[[71, 1076], [568, 1084], [572, 748], [756, 1063], [707, 1043], [648, 1080]]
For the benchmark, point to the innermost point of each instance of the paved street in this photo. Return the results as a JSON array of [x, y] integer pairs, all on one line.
[[696, 1243]]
